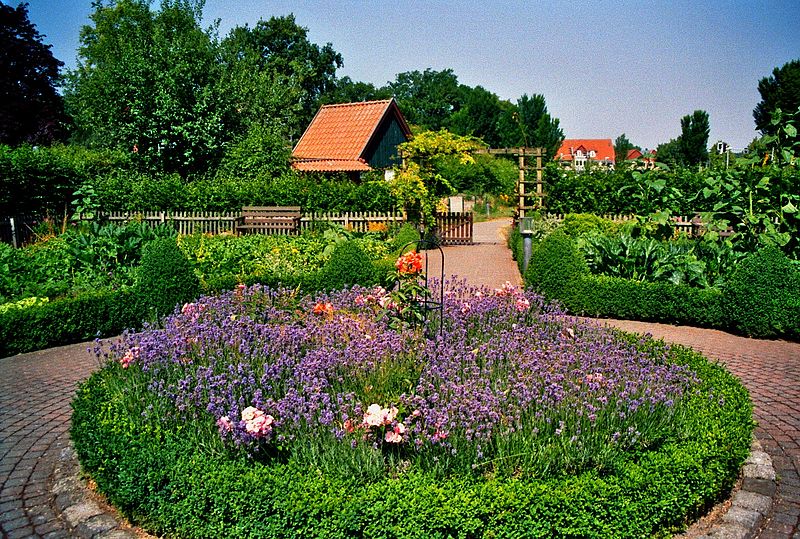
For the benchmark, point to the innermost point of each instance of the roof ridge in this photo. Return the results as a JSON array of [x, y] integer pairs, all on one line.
[[357, 103]]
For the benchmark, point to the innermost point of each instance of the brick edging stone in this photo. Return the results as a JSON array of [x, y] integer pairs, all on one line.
[[73, 502], [752, 503], [85, 518]]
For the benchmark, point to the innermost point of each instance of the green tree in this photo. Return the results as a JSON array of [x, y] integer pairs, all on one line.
[[427, 99], [145, 83], [693, 142], [538, 128], [280, 50], [621, 148], [479, 114], [349, 91], [781, 91], [30, 108]]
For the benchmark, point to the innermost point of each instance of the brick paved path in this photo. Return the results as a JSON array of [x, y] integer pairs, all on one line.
[[36, 388], [35, 392]]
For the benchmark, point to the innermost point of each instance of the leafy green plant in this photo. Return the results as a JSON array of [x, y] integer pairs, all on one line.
[[554, 267], [165, 278], [761, 296], [348, 265]]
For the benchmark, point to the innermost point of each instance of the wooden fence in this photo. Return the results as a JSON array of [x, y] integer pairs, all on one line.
[[17, 230], [691, 226], [454, 228], [225, 223]]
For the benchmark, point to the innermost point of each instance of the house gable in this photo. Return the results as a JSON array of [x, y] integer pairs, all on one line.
[[352, 137]]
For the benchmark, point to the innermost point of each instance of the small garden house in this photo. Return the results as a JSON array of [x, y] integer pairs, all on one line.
[[352, 138]]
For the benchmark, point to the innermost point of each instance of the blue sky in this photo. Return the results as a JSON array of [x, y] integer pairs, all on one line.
[[604, 67]]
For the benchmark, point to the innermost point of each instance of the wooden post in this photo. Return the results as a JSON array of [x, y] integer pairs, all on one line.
[[521, 183], [539, 185], [13, 232]]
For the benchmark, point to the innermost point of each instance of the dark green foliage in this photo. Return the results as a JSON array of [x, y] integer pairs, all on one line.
[[348, 265], [406, 235], [31, 110], [67, 320], [781, 90], [156, 473], [555, 265], [760, 298], [614, 297], [136, 191], [165, 278], [42, 180]]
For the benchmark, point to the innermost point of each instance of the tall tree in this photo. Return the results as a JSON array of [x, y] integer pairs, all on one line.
[[693, 141], [621, 148], [781, 90], [145, 84], [479, 114], [428, 98], [30, 108], [538, 128], [281, 47]]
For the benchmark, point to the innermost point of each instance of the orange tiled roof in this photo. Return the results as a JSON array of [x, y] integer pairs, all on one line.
[[330, 165], [339, 134], [603, 148], [633, 154]]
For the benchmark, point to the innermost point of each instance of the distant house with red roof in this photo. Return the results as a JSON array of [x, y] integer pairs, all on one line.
[[352, 138], [645, 161], [576, 153]]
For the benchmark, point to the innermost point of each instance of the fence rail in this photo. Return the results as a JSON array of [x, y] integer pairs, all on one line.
[[454, 228], [691, 226]]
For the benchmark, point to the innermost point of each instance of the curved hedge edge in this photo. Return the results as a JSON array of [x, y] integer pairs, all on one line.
[[68, 321], [156, 480]]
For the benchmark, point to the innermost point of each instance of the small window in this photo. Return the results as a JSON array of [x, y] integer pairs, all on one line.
[[592, 154]]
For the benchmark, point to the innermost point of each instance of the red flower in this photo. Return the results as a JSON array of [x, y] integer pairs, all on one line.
[[409, 264], [323, 308]]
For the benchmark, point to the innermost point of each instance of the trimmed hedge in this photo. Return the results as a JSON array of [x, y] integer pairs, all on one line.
[[761, 297], [158, 477], [558, 270], [67, 321], [165, 278]]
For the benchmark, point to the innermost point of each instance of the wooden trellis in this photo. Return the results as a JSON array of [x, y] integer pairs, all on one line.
[[528, 201]]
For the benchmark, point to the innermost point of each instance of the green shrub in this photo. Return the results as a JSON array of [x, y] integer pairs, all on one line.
[[576, 225], [760, 299], [406, 235], [555, 265], [614, 297], [165, 278], [67, 320], [348, 265]]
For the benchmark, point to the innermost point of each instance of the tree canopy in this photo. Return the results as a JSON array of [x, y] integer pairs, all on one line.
[[30, 108], [781, 91]]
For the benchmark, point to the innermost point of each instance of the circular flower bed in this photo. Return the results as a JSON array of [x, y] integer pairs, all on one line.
[[266, 413]]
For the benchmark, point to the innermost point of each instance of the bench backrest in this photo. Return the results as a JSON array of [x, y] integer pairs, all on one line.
[[267, 212]]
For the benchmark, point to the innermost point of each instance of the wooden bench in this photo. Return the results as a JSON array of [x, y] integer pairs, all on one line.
[[269, 220]]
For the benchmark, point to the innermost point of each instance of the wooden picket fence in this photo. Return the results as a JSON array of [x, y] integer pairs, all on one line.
[[691, 226], [454, 228], [225, 222]]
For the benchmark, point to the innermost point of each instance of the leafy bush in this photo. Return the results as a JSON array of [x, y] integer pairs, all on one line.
[[348, 265], [577, 225], [175, 457], [406, 235], [67, 320], [165, 278], [555, 265], [761, 297], [135, 191], [41, 180]]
